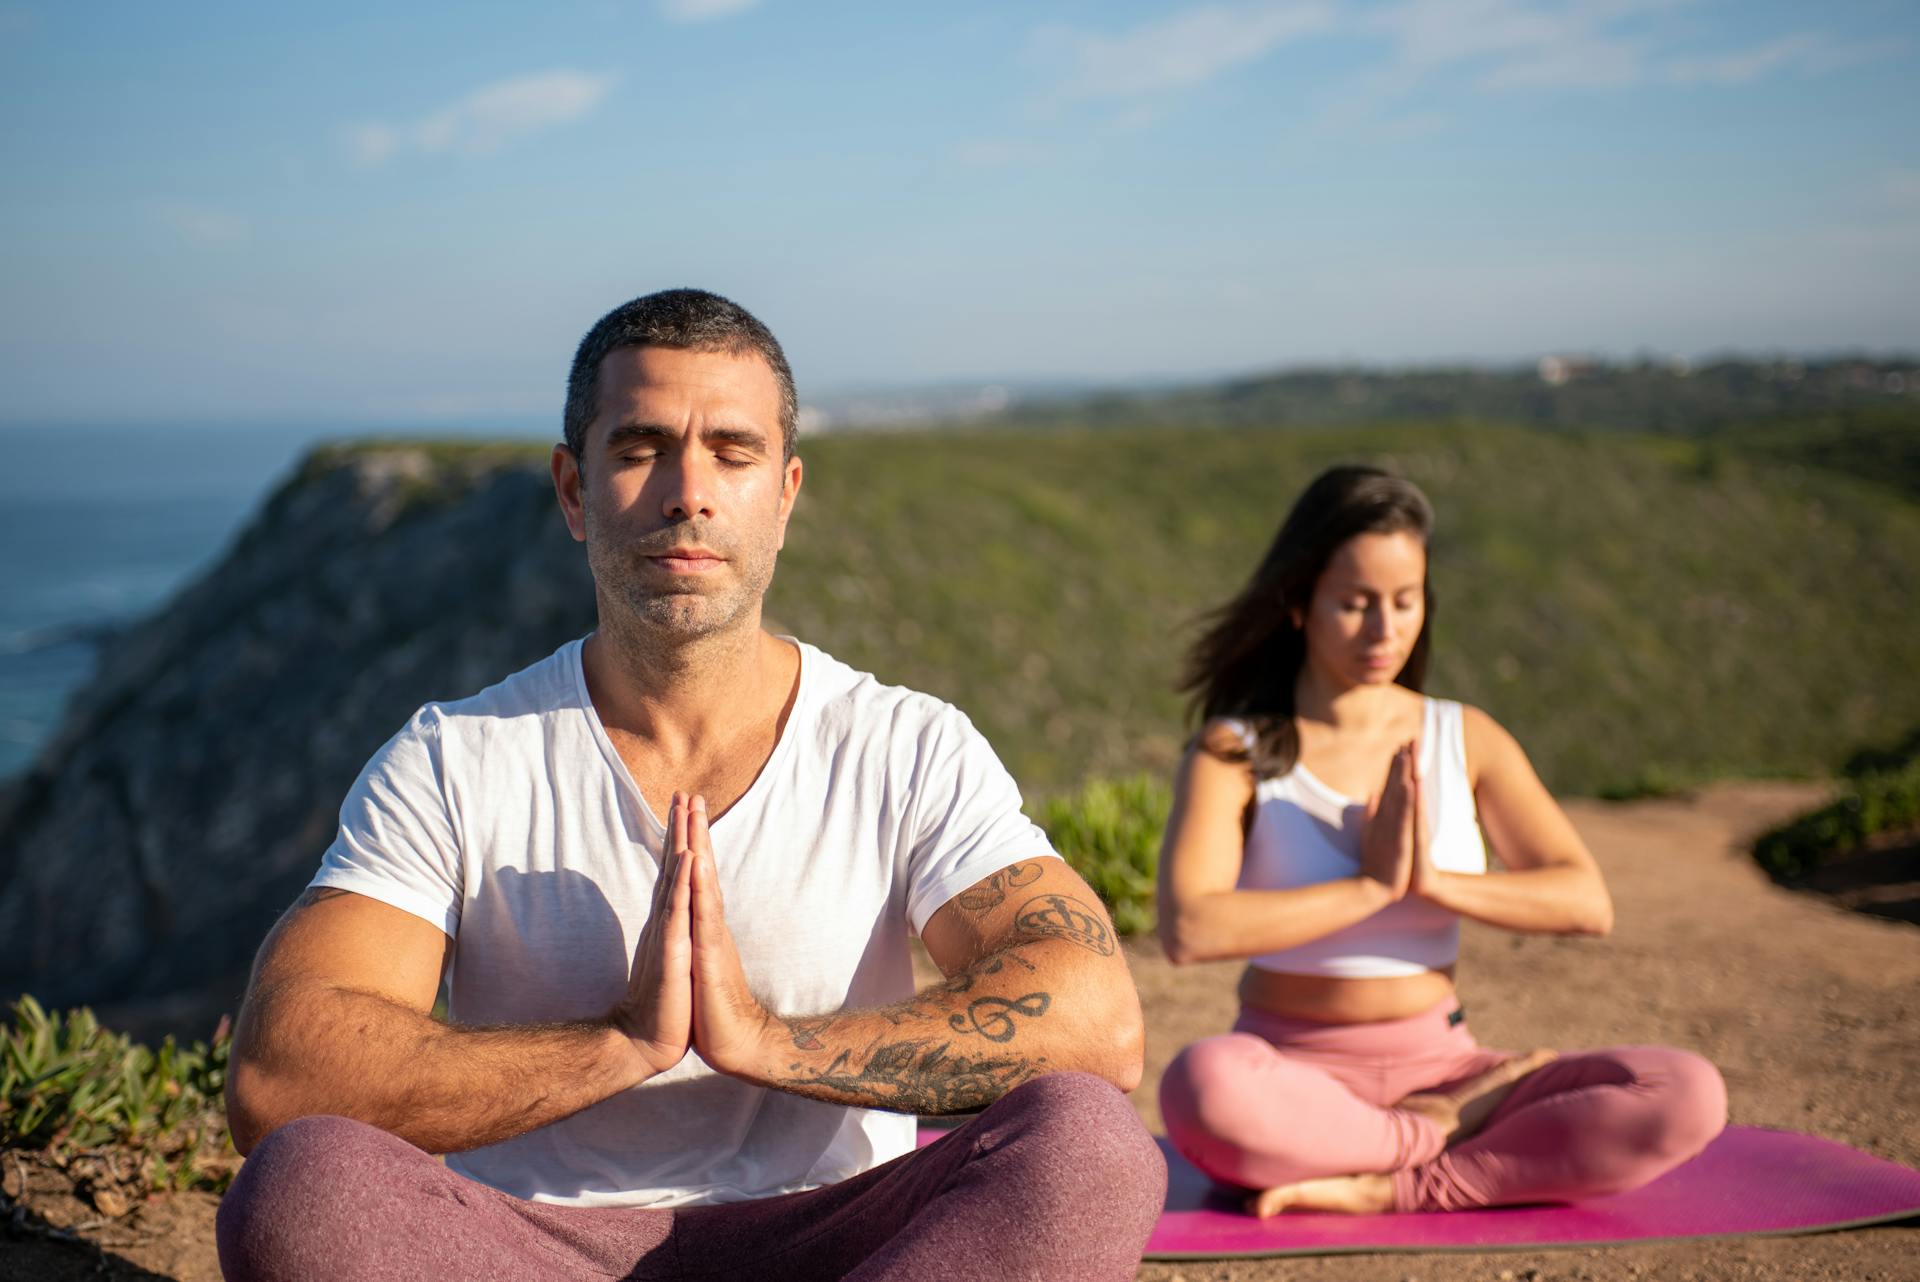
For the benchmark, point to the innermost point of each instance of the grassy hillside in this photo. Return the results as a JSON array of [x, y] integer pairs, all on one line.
[[1643, 396], [1881, 444], [1641, 612]]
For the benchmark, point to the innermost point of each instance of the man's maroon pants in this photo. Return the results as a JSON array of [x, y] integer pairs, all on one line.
[[1057, 1180]]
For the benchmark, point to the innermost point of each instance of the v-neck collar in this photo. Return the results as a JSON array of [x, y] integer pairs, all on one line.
[[576, 661]]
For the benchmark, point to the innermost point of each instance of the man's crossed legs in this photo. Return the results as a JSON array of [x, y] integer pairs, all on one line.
[[1057, 1179]]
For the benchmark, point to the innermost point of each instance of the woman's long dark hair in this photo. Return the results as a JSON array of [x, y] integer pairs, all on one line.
[[1248, 658]]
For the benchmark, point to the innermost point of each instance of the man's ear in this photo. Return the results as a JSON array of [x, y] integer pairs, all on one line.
[[566, 487], [789, 495]]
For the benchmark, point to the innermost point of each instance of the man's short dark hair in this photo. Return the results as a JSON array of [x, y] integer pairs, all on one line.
[[689, 319]]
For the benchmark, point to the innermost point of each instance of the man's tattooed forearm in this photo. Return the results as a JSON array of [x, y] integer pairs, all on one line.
[[993, 892], [1059, 917], [806, 1032], [992, 1017], [929, 1004], [987, 1016], [914, 1076]]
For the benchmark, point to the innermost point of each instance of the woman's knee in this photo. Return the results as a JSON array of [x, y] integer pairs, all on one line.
[[1672, 1105], [1692, 1101], [1212, 1083]]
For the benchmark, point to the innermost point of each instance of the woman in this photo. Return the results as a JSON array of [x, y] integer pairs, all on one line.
[[1327, 827]]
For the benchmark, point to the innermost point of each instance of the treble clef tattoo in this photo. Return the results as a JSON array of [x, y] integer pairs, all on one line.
[[1059, 917], [992, 1017]]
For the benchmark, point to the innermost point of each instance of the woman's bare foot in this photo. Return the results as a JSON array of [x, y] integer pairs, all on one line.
[[1465, 1109], [1341, 1194], [1458, 1113]]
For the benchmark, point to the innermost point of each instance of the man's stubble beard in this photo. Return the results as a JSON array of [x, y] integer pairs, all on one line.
[[640, 616]]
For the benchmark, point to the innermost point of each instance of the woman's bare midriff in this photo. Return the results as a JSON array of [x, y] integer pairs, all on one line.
[[1327, 1000]]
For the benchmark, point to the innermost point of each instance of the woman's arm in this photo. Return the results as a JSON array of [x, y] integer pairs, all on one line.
[[1552, 884], [1205, 917]]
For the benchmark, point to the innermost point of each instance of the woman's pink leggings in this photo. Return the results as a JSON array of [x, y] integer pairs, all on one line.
[[1279, 1100]]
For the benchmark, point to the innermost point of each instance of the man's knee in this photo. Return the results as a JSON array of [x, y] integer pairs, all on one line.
[[308, 1188], [1091, 1142]]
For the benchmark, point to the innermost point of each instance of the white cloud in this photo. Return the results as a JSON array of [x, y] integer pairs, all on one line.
[[202, 224], [1806, 53], [372, 144], [1493, 46], [1741, 66], [1591, 64], [702, 10], [1554, 45], [1187, 49], [486, 119], [1517, 44]]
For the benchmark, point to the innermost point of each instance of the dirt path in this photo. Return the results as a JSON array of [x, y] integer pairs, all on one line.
[[1811, 1011]]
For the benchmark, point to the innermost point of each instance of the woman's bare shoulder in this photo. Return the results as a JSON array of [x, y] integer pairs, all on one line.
[[1227, 738], [1218, 765], [1490, 746]]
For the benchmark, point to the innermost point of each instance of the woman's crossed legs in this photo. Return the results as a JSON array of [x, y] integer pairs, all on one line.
[[1319, 1128]]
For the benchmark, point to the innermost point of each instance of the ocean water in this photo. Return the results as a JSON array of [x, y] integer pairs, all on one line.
[[101, 524]]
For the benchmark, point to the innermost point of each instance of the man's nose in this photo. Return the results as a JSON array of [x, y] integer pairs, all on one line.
[[689, 488]]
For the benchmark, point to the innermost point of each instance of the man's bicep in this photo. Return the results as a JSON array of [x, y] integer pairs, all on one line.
[[352, 941], [1039, 898]]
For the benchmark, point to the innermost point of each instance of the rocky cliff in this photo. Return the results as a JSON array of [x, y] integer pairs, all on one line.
[[189, 793]]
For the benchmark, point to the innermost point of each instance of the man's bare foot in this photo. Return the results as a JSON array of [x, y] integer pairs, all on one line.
[[1340, 1194], [1465, 1109]]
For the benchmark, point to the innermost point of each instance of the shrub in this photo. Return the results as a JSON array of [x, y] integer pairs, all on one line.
[[1880, 760], [69, 1086], [1109, 832], [1874, 802]]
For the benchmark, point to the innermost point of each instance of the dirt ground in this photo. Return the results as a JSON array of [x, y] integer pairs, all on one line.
[[1810, 1008]]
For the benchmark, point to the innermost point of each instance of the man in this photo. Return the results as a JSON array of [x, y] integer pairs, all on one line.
[[668, 877]]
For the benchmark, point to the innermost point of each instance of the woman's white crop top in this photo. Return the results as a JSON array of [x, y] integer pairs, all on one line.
[[1305, 833]]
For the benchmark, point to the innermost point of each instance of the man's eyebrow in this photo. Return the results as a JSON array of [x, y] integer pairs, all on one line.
[[626, 433], [751, 437]]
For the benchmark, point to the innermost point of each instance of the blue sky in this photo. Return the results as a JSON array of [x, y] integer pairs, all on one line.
[[407, 214]]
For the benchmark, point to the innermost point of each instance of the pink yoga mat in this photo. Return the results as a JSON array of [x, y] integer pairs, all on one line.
[[1749, 1181]]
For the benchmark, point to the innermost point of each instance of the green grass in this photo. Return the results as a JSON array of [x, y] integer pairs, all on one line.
[[1109, 831], [70, 1087], [1636, 610], [1644, 613], [1880, 444]]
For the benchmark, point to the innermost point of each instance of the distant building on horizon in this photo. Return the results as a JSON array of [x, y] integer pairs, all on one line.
[[1558, 371]]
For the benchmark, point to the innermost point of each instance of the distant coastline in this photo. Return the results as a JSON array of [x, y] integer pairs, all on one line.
[[100, 525]]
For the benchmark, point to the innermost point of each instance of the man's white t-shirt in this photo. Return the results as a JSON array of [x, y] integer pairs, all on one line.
[[509, 821]]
